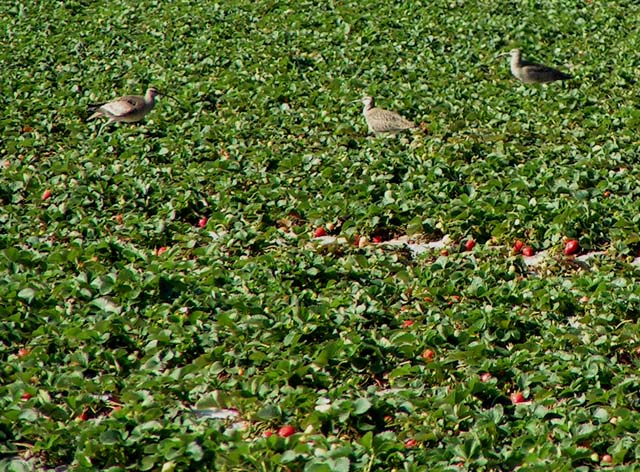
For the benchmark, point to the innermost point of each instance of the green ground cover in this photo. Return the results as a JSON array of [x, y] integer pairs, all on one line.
[[112, 351]]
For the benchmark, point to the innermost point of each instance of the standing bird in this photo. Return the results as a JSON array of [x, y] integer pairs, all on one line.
[[128, 109], [382, 121], [530, 73]]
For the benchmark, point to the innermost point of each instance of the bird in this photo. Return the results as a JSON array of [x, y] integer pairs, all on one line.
[[382, 121], [530, 73], [127, 109]]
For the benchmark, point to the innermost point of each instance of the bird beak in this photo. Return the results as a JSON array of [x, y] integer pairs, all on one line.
[[169, 96]]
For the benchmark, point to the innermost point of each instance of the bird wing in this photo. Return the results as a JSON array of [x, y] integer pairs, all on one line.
[[542, 73], [123, 106], [387, 121]]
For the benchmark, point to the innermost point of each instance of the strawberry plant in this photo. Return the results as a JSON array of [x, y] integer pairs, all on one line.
[[179, 292]]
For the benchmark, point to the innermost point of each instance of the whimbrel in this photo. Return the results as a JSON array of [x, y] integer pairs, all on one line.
[[382, 121], [128, 109], [530, 73]]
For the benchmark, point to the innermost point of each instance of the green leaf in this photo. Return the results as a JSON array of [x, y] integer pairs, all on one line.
[[27, 294], [361, 406]]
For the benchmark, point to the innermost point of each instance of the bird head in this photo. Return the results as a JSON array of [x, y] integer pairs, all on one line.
[[367, 101], [513, 53]]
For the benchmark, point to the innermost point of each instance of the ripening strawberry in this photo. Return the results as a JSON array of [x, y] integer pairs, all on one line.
[[319, 232], [528, 251], [607, 459], [571, 247], [485, 377], [26, 396], [161, 250], [23, 352], [407, 323], [428, 355], [444, 252], [46, 195], [267, 434], [470, 244], [286, 431]]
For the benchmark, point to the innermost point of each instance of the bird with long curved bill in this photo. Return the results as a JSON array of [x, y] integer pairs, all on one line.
[[531, 73], [128, 108], [382, 121]]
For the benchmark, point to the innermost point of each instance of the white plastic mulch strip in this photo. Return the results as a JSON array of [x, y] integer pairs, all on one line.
[[445, 241]]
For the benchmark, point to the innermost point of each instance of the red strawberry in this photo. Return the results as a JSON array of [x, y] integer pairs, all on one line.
[[46, 195], [528, 251], [517, 246], [286, 431], [267, 434], [377, 239], [319, 232], [202, 222], [409, 443], [571, 247], [161, 250], [517, 397], [407, 323], [470, 244], [26, 396]]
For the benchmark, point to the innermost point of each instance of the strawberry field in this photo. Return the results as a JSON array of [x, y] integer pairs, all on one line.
[[247, 281]]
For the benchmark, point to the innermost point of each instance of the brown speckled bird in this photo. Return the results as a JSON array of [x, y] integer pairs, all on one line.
[[382, 121], [127, 109]]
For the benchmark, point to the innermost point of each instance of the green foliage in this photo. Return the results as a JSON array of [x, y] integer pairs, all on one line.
[[115, 355]]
